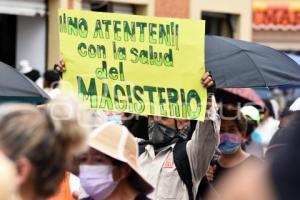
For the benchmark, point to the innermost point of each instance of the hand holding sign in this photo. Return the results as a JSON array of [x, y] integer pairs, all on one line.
[[207, 80], [60, 67]]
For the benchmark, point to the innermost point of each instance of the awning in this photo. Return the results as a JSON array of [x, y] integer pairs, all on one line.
[[21, 7]]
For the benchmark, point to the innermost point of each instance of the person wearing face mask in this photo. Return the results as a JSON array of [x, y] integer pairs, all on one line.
[[233, 127], [109, 169], [166, 138], [168, 150]]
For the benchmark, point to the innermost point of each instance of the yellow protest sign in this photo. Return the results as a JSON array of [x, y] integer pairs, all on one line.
[[135, 64]]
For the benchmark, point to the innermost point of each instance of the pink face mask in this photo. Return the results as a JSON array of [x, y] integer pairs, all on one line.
[[233, 138], [97, 180], [229, 143]]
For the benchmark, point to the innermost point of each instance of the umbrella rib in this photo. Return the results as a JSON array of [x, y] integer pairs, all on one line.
[[245, 51], [263, 78], [223, 57]]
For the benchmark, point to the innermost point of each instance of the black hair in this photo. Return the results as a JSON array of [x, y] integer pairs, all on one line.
[[137, 125], [132, 177], [52, 78], [269, 107], [33, 75], [251, 125], [231, 111]]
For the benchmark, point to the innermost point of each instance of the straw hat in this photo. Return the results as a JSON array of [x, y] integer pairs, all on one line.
[[117, 142]]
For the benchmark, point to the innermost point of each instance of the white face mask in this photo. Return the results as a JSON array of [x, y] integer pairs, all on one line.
[[97, 180]]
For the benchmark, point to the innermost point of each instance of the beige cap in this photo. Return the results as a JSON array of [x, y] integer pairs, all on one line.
[[117, 142]]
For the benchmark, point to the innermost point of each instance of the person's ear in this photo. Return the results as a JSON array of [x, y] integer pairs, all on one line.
[[24, 170], [121, 172], [181, 123]]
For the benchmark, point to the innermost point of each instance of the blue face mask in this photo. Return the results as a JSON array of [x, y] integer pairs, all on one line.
[[229, 143]]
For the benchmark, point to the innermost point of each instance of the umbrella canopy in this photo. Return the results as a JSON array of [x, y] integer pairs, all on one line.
[[16, 87], [240, 64], [239, 95]]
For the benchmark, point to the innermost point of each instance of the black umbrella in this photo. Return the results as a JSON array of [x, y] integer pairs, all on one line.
[[16, 87], [239, 64]]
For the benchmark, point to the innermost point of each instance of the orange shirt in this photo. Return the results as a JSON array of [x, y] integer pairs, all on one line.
[[64, 190]]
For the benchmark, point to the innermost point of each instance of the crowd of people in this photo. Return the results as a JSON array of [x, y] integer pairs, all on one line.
[[60, 151]]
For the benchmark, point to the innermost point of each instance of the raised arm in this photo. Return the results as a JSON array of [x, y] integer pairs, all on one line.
[[205, 139]]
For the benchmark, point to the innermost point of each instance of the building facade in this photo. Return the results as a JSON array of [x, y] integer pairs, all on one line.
[[223, 17], [23, 32], [32, 25]]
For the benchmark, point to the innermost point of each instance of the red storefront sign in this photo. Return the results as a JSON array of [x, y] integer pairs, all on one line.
[[278, 16]]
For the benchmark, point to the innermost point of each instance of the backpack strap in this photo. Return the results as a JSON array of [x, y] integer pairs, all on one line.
[[183, 167]]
